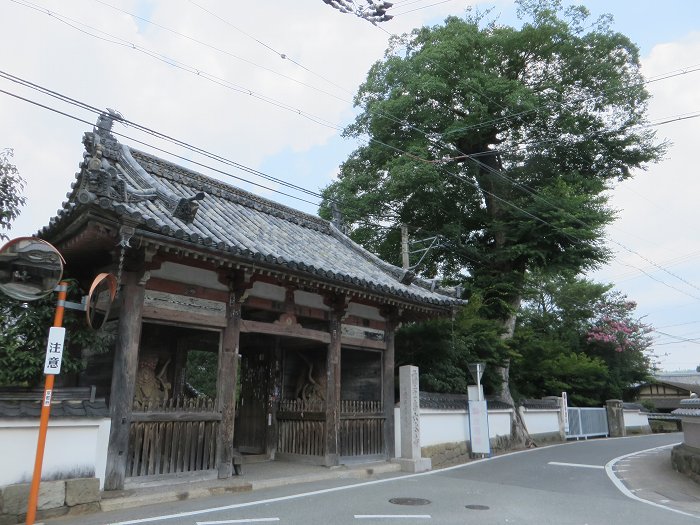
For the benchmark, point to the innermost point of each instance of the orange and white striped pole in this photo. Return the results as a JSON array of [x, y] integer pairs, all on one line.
[[52, 366]]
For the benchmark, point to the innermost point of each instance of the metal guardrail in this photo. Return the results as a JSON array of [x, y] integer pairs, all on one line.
[[587, 422]]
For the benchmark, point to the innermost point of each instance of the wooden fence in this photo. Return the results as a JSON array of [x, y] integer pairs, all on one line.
[[177, 435], [302, 427], [361, 428]]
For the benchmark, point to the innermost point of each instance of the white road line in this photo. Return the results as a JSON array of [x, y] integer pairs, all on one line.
[[622, 488], [225, 522], [579, 465], [391, 516], [254, 503]]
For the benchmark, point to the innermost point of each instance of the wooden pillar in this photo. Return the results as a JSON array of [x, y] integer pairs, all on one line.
[[274, 395], [388, 395], [332, 441], [124, 378], [226, 384]]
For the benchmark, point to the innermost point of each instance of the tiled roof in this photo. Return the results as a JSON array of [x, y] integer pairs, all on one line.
[[455, 402], [227, 220], [32, 409], [540, 404]]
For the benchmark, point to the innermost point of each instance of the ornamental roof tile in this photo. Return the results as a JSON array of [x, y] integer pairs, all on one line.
[[168, 200]]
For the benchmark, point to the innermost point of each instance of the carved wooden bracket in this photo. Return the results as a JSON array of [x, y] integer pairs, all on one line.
[[392, 314], [289, 320], [239, 283], [337, 302]]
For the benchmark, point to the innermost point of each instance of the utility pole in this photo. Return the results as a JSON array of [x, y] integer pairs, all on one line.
[[404, 247]]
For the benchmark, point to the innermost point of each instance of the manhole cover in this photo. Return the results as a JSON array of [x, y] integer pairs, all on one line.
[[477, 507], [409, 501]]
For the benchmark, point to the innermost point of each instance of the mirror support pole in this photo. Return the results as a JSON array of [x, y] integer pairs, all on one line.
[[45, 412]]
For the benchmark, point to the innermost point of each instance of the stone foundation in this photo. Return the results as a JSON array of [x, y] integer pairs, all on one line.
[[635, 431], [686, 460], [449, 454], [446, 454], [56, 498]]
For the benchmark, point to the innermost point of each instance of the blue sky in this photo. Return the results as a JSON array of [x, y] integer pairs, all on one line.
[[98, 54]]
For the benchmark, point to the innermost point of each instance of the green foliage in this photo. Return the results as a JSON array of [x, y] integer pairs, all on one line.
[[11, 186], [24, 329], [201, 371], [501, 140], [557, 352], [442, 349]]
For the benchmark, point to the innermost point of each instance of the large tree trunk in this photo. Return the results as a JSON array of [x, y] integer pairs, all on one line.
[[518, 430]]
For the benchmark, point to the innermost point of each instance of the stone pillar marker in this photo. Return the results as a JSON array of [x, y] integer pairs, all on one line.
[[616, 418], [410, 460]]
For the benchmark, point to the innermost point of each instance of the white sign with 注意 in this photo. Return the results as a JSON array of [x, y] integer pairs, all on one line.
[[54, 350]]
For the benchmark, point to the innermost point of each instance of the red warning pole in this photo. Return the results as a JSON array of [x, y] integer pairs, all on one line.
[[51, 368]]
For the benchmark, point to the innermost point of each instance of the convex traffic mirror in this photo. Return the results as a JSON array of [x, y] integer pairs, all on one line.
[[99, 300], [30, 268]]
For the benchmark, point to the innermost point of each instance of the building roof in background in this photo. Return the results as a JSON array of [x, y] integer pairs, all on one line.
[[689, 381]]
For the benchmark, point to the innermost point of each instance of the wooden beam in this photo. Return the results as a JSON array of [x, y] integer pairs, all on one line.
[[175, 416], [284, 330], [123, 379], [182, 317], [276, 306], [363, 343], [189, 290]]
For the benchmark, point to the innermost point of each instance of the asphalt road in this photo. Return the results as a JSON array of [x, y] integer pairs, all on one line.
[[559, 485]]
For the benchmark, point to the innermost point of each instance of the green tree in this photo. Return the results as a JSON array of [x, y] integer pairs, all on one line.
[[24, 329], [580, 336], [502, 140], [442, 349], [622, 341], [11, 187]]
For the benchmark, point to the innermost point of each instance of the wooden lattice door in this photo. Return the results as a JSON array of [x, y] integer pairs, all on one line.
[[250, 433]]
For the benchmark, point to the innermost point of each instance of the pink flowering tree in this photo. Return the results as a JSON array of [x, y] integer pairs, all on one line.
[[615, 327], [620, 338], [580, 336]]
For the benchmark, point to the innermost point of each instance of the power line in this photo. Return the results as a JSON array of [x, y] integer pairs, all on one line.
[[677, 338], [476, 186], [38, 104], [422, 7], [316, 119], [180, 65], [223, 51], [204, 152], [283, 56]]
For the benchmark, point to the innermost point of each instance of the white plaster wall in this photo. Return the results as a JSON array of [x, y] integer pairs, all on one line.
[[72, 446], [635, 418], [451, 426], [443, 426], [499, 423], [541, 421]]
